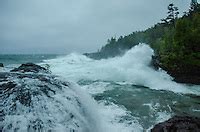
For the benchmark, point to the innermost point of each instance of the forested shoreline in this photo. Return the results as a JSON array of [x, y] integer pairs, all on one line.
[[175, 40]]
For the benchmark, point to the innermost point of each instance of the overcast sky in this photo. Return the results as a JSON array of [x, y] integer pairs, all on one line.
[[64, 26]]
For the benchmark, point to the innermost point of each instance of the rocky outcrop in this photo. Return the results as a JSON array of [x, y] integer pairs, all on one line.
[[33, 101], [179, 124], [180, 73], [30, 67], [1, 65], [186, 74], [155, 64]]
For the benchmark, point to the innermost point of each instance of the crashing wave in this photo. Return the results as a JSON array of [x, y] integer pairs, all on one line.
[[133, 67], [34, 101]]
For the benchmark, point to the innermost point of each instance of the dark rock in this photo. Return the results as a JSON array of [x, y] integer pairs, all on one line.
[[30, 67], [25, 89], [185, 74], [187, 79], [26, 92], [179, 124], [24, 97], [8, 85], [22, 90], [181, 73], [1, 65], [155, 62]]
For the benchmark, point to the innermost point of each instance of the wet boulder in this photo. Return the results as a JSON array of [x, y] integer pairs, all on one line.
[[30, 67], [39, 102], [179, 124], [1, 65]]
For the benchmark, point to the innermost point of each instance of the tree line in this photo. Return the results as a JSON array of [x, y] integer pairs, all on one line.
[[176, 41]]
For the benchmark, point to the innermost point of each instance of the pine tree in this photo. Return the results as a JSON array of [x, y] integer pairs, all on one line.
[[172, 15]]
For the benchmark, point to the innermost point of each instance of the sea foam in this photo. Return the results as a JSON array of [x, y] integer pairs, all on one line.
[[133, 67]]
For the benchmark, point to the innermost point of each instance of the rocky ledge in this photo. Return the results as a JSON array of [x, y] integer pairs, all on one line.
[[179, 124], [34, 101], [1, 65], [30, 67], [181, 74]]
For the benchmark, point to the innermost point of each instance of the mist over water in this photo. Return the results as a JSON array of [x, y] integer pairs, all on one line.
[[133, 67], [129, 94], [121, 94]]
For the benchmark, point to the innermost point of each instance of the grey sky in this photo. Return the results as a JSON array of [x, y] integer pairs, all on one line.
[[63, 26]]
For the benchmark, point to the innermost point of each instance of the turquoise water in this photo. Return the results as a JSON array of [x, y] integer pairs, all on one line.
[[19, 59], [132, 96], [147, 105], [125, 94]]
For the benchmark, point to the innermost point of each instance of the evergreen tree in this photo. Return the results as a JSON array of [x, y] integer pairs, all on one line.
[[172, 15]]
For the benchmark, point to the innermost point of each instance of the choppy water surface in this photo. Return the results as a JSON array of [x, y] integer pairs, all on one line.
[[121, 94], [130, 94], [7, 59]]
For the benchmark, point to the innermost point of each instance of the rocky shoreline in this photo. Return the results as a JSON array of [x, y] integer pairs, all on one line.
[[32, 100], [15, 89], [1, 65], [181, 74], [178, 124]]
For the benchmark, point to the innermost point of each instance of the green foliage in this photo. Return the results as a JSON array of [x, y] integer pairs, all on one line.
[[176, 42], [172, 15], [181, 47]]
